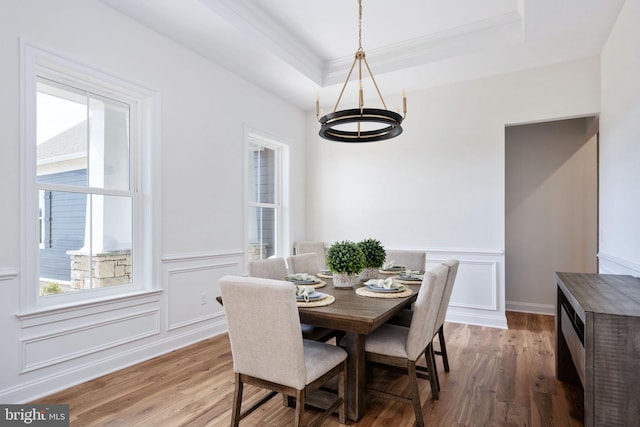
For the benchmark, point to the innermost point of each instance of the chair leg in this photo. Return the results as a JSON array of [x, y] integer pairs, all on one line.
[[237, 402], [415, 394], [342, 380], [435, 367], [300, 398], [431, 368], [443, 348]]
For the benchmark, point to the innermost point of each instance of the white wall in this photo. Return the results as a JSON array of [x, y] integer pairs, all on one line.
[[551, 207], [620, 146], [440, 185], [204, 110]]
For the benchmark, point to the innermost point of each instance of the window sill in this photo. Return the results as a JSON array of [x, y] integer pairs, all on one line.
[[44, 315]]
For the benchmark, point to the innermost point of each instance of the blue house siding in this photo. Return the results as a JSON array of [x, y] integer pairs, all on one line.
[[66, 213]]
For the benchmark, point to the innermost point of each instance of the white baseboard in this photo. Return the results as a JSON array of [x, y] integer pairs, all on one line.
[[530, 307], [490, 320]]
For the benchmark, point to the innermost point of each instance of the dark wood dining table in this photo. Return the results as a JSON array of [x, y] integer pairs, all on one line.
[[358, 316]]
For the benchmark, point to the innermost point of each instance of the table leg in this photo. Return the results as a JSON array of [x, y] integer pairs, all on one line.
[[356, 376]]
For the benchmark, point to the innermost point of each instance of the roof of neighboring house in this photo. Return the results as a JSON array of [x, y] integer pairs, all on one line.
[[65, 144]]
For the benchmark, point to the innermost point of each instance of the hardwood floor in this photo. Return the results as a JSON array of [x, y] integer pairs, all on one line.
[[498, 378]]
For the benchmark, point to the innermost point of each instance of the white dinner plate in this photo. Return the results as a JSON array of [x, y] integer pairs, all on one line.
[[384, 290], [409, 278], [313, 296]]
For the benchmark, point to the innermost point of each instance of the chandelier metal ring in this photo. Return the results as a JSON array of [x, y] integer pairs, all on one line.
[[389, 121]]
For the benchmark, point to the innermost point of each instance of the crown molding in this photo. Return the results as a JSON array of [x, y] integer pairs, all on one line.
[[254, 22], [500, 30]]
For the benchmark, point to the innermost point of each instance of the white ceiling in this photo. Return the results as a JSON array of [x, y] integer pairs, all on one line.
[[300, 49]]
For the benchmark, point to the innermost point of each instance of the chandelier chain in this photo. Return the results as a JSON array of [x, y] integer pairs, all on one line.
[[359, 24]]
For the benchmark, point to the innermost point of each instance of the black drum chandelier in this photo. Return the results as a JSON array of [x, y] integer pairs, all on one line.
[[371, 124]]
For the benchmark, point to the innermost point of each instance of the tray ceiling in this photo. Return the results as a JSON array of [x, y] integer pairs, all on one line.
[[299, 49]]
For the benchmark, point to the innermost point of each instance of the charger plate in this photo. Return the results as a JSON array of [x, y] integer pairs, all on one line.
[[363, 291], [329, 299], [324, 276]]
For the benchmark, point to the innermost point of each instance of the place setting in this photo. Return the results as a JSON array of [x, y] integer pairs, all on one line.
[[307, 296], [390, 267], [384, 288], [325, 274], [409, 277], [305, 279]]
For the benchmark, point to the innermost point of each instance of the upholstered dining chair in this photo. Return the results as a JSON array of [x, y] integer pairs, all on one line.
[[304, 263], [276, 269], [442, 312], [270, 268], [312, 247], [403, 318], [269, 352], [401, 347], [414, 260]]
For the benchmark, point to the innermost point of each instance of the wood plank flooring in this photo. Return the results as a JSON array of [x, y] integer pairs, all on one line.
[[498, 378]]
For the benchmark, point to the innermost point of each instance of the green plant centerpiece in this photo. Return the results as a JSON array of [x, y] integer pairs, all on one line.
[[346, 260], [374, 256]]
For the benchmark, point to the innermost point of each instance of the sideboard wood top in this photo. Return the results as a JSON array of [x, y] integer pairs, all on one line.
[[603, 293]]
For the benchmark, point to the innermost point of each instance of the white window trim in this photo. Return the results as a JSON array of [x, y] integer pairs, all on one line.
[[283, 192], [145, 154]]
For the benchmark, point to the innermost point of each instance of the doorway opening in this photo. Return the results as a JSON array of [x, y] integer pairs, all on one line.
[[551, 208]]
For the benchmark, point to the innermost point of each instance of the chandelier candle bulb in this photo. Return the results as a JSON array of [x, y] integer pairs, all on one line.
[[404, 103]]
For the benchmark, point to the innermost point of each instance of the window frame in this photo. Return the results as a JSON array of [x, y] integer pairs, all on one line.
[[144, 177], [44, 218], [282, 184]]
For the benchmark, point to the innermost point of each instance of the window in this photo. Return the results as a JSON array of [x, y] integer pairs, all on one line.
[[265, 216], [85, 183]]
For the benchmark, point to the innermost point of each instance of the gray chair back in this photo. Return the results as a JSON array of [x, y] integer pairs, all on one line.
[[270, 268], [414, 260], [425, 311], [304, 263], [264, 329], [312, 247], [448, 289]]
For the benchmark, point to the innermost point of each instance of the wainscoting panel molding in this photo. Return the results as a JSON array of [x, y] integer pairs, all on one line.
[[478, 293], [192, 286], [7, 273], [57, 347]]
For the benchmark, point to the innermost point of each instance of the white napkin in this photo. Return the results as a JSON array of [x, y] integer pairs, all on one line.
[[382, 283], [302, 276], [387, 265], [413, 274], [304, 291]]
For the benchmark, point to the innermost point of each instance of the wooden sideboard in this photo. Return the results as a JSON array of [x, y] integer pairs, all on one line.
[[598, 344]]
